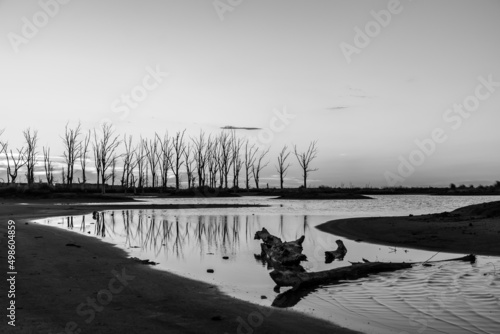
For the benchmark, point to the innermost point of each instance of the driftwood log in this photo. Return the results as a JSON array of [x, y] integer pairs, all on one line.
[[337, 254], [285, 258], [299, 280], [279, 254]]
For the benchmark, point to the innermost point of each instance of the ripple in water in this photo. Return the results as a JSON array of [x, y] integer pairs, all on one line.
[[449, 297]]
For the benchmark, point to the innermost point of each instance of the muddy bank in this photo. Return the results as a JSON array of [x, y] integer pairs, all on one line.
[[473, 229], [71, 281]]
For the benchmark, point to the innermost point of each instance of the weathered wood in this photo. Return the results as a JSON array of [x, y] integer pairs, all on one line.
[[357, 270], [267, 237], [337, 254], [278, 254]]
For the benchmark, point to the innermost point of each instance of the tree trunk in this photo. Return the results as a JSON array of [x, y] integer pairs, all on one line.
[[357, 270]]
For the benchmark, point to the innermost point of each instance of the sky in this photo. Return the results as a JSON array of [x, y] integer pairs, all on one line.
[[394, 92]]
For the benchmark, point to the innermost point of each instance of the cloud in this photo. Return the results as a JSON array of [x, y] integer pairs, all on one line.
[[230, 127], [337, 108]]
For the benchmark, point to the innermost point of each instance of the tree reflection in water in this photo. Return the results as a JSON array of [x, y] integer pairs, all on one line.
[[159, 232]]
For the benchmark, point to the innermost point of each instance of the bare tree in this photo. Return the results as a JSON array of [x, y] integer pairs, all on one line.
[[63, 176], [189, 160], [258, 166], [305, 159], [83, 149], [250, 152], [151, 149], [112, 176], [179, 147], [128, 162], [141, 164], [71, 150], [212, 161], [165, 158], [18, 161], [225, 155], [201, 153], [236, 144], [104, 149], [96, 150], [49, 169], [31, 138], [282, 166]]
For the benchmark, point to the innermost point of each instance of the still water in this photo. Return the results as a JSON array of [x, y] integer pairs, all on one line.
[[444, 298]]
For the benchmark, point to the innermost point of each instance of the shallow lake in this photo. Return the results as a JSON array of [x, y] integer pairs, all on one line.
[[451, 297]]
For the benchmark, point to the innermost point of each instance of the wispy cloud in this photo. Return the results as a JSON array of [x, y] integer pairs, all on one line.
[[230, 127], [337, 108]]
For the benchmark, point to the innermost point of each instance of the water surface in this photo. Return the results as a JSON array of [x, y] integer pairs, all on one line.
[[445, 298]]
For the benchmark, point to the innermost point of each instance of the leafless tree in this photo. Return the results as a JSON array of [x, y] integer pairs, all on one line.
[[201, 153], [305, 159], [135, 160], [258, 166], [225, 156], [213, 161], [31, 138], [283, 166], [141, 164], [49, 169], [152, 149], [105, 146], [128, 162], [96, 150], [71, 151], [17, 159], [83, 149], [178, 151], [250, 152], [112, 176], [63, 176], [165, 158], [236, 144], [189, 160]]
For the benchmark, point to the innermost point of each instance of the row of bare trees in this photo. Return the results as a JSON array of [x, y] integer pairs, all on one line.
[[206, 160]]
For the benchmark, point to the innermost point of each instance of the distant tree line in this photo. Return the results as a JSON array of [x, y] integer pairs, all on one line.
[[214, 161]]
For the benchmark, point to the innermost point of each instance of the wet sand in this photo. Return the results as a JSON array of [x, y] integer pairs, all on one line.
[[67, 283], [473, 229]]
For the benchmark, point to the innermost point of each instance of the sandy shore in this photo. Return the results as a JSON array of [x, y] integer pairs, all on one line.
[[96, 288], [473, 229]]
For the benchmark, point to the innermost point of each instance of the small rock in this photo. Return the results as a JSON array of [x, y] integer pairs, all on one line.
[[225, 257], [73, 245], [210, 271], [263, 297], [216, 318]]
